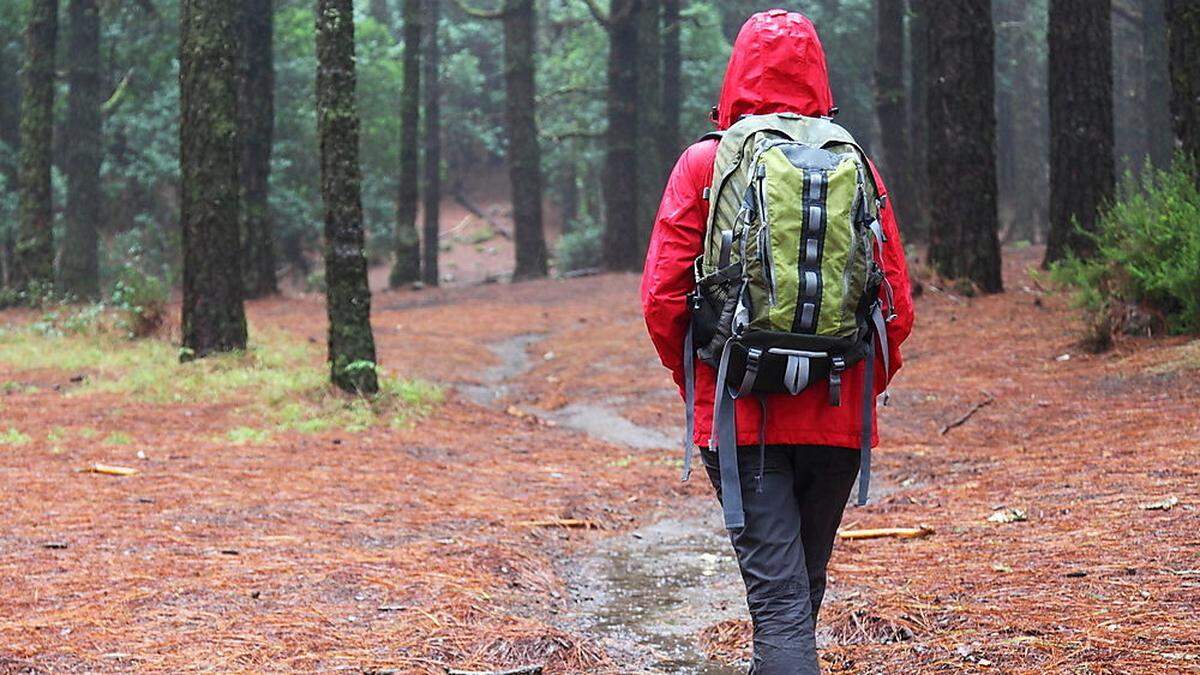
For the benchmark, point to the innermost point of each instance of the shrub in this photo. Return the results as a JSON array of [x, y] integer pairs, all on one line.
[[1145, 273], [141, 301], [579, 248]]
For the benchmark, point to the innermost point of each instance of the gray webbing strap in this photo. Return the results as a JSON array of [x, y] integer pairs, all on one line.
[[868, 408], [881, 335], [762, 442], [751, 373], [796, 373], [725, 440], [689, 402]]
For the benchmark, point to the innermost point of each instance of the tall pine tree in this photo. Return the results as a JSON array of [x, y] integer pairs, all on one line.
[[1082, 175], [33, 256], [432, 196], [963, 241], [407, 266], [256, 118], [1183, 30], [213, 317], [348, 298], [80, 267]]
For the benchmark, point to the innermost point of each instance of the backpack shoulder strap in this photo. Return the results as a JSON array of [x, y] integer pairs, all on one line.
[[713, 135]]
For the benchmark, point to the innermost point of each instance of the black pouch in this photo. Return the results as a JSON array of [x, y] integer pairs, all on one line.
[[786, 362]]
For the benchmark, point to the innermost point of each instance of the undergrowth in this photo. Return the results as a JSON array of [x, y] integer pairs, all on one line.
[[280, 380], [1144, 276]]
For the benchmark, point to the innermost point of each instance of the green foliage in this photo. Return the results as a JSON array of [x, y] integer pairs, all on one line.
[[1145, 274], [579, 249], [141, 300]]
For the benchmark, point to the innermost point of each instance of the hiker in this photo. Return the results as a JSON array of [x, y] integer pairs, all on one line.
[[776, 292]]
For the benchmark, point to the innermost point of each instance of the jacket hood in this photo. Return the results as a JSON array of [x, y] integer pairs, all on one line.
[[777, 65]]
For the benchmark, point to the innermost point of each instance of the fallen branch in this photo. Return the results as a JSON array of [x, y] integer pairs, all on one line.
[[561, 522], [897, 532], [110, 470], [522, 670], [963, 420]]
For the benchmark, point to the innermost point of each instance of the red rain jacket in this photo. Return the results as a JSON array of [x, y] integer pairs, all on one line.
[[777, 65]]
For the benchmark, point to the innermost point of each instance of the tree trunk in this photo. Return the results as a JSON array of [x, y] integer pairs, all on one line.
[[33, 257], [348, 298], [1158, 84], [1183, 30], [918, 41], [407, 266], [1030, 180], [890, 106], [651, 176], [1081, 121], [433, 146], [620, 242], [80, 267], [1131, 142], [10, 137], [256, 116], [672, 58], [962, 183], [524, 153], [213, 317]]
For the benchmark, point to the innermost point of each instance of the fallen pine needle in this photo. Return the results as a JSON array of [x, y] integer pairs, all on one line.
[[898, 532], [110, 470], [560, 522]]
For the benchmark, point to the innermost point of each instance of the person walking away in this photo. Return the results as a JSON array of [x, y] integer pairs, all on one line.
[[776, 292]]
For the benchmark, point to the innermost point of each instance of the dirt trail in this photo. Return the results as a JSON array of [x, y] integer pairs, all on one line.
[[413, 548]]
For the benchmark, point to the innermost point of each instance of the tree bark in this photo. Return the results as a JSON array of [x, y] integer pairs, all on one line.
[[672, 58], [524, 153], [962, 136], [890, 106], [1183, 31], [33, 256], [1030, 180], [213, 317], [918, 39], [1158, 83], [407, 266], [620, 241], [256, 116], [80, 267], [651, 174], [433, 146], [10, 136], [1081, 122], [348, 298]]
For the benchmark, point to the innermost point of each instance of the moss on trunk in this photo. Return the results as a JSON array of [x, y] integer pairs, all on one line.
[[348, 298], [33, 254], [213, 317]]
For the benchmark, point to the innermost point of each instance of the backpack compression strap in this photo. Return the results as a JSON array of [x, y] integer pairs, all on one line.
[[868, 399]]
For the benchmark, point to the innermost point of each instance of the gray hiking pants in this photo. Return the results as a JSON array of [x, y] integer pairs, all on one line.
[[784, 547]]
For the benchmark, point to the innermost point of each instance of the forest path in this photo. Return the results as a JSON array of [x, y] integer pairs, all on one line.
[[449, 540]]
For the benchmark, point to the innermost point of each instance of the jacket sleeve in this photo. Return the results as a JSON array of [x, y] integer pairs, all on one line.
[[674, 244], [895, 268]]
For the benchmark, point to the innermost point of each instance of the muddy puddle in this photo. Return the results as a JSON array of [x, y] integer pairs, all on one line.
[[646, 594]]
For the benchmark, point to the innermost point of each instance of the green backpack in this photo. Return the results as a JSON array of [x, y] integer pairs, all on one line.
[[787, 284]]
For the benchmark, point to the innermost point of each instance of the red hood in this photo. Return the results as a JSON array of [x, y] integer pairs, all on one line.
[[777, 65]]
